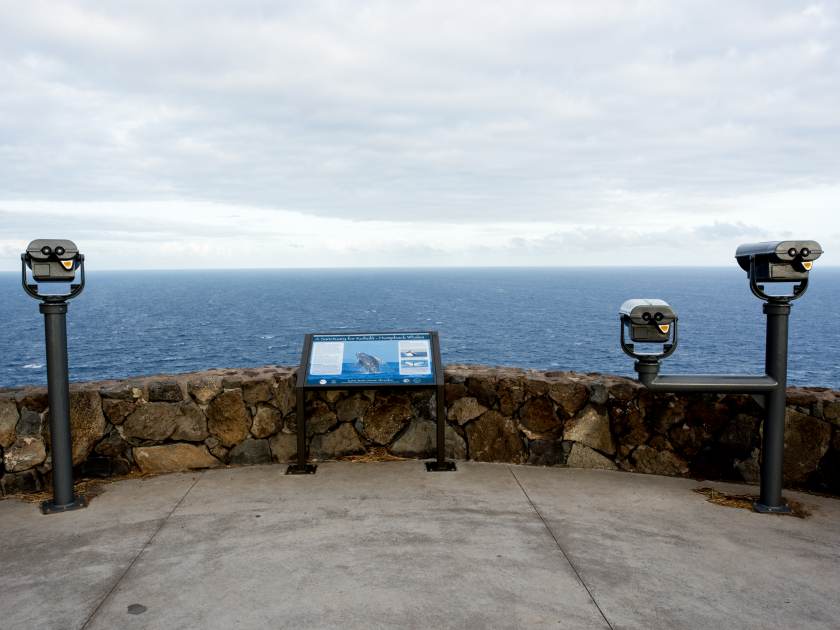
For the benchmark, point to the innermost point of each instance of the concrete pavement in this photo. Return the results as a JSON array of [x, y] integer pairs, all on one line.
[[382, 545]]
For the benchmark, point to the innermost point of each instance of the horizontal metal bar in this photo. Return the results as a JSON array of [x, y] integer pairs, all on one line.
[[712, 383]]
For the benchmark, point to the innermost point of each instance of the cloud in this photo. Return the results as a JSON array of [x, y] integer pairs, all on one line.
[[480, 129]]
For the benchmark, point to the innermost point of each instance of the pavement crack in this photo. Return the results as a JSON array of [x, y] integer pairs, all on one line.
[[560, 547], [134, 560]]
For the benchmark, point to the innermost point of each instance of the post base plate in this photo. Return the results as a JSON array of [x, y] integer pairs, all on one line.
[[771, 509], [305, 469], [50, 507], [440, 466]]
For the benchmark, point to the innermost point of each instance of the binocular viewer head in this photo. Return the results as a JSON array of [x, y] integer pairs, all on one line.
[[648, 321], [52, 260], [778, 261]]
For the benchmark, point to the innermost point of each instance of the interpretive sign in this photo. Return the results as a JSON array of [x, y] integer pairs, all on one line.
[[397, 359], [381, 360]]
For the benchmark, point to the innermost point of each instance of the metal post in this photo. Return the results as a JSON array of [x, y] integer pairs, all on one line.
[[301, 467], [440, 412], [301, 429], [440, 464], [773, 444], [58, 386]]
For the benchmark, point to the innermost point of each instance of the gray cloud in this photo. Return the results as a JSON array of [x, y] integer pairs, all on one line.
[[544, 111]]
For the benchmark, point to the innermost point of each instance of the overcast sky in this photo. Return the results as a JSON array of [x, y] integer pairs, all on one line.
[[167, 134]]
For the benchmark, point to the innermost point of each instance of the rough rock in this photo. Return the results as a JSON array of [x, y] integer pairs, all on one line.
[[8, 421], [386, 417], [629, 423], [584, 457], [117, 410], [284, 394], [87, 423], [664, 411], [806, 441], [172, 458], [250, 452], [420, 440], [319, 418], [290, 423], [204, 390], [831, 412], [219, 452], [511, 392], [688, 439], [34, 398], [352, 409], [649, 460], [150, 421], [20, 483], [27, 452], [454, 391], [536, 384], [538, 417], [118, 391], [623, 389], [160, 421], [190, 423], [112, 446], [592, 429], [30, 423], [598, 393], [483, 388], [742, 431], [267, 421], [465, 409], [342, 442], [165, 391], [257, 391], [548, 452], [569, 396], [330, 396], [227, 417], [283, 447], [749, 469], [495, 438]]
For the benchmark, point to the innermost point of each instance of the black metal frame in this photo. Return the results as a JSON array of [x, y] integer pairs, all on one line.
[[54, 309], [302, 467], [768, 389]]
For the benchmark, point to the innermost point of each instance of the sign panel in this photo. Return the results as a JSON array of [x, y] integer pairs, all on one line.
[[371, 359]]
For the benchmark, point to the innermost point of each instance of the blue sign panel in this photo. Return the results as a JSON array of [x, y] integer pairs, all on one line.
[[371, 359]]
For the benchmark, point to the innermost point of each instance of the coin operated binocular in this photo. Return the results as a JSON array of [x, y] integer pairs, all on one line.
[[651, 322], [778, 261], [52, 261], [56, 261]]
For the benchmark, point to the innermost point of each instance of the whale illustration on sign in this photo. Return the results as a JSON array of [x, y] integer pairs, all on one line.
[[369, 364]]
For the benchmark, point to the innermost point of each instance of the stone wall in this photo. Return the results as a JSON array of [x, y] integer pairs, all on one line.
[[219, 417]]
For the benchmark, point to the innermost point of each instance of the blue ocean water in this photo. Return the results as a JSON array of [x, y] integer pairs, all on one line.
[[133, 323]]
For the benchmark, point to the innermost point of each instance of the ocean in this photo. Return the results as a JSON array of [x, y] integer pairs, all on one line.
[[151, 322]]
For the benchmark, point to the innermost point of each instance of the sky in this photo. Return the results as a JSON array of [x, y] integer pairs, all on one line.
[[207, 134]]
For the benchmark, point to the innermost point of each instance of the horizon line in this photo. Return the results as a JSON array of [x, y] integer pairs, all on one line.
[[408, 267]]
